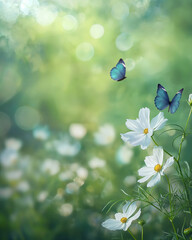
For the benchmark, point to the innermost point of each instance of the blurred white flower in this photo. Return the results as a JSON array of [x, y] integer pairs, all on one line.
[[154, 167], [23, 186], [124, 154], [28, 6], [8, 157], [72, 187], [6, 192], [82, 173], [123, 220], [65, 148], [142, 129], [105, 135], [13, 143], [13, 175], [66, 209], [190, 99], [97, 163], [51, 166], [42, 196], [79, 181], [74, 166], [60, 193], [41, 132], [66, 175], [77, 130]]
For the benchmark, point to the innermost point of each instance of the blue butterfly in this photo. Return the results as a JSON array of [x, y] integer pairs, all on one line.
[[162, 99], [118, 73]]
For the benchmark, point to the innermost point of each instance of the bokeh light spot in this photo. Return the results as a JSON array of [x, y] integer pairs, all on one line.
[[70, 23], [96, 31], [120, 10], [130, 64], [45, 15], [27, 6], [124, 42], [27, 117], [84, 51]]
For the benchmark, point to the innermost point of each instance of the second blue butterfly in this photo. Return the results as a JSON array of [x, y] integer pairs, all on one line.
[[162, 99], [118, 73]]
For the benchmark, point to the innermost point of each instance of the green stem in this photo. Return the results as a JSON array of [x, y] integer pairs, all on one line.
[[131, 234], [183, 136], [170, 202], [179, 155], [171, 208], [174, 228], [186, 189], [163, 149], [142, 233]]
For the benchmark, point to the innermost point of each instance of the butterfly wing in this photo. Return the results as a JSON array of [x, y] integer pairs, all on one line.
[[175, 101], [118, 73], [162, 98]]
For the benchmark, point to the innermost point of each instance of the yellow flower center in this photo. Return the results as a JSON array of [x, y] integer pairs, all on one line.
[[146, 130], [157, 168], [123, 219]]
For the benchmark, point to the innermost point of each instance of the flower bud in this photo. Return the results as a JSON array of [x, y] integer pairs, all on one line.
[[190, 99], [141, 222], [188, 230]]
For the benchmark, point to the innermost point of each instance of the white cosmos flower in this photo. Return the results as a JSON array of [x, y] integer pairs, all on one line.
[[123, 220], [142, 129], [154, 167], [190, 99]]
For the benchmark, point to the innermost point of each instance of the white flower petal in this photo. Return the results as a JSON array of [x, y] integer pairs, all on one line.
[[144, 117], [136, 215], [150, 162], [134, 125], [118, 216], [158, 155], [190, 99], [130, 220], [146, 171], [146, 141], [126, 225], [144, 179], [168, 163], [112, 224], [158, 122], [155, 179], [133, 138], [126, 206], [131, 210]]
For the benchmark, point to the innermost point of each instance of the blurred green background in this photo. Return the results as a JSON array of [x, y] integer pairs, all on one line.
[[61, 115]]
